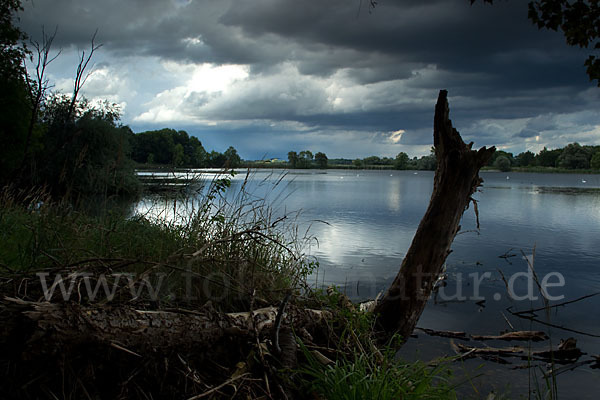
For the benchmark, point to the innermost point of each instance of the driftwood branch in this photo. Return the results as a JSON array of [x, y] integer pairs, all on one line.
[[456, 179], [566, 352], [534, 336]]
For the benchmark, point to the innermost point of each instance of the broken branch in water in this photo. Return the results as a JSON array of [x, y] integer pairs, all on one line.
[[567, 352], [564, 303], [535, 336]]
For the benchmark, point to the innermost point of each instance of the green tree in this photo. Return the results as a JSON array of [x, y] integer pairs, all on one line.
[[427, 163], [178, 155], [232, 157], [358, 163], [401, 161], [372, 160], [502, 163], [293, 159], [548, 158], [503, 153], [321, 160], [160, 143], [574, 156], [197, 153], [201, 157], [14, 102], [169, 146], [525, 159], [305, 159], [216, 159], [595, 162], [85, 151]]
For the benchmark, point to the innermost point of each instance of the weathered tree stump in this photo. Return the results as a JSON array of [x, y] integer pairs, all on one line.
[[456, 178]]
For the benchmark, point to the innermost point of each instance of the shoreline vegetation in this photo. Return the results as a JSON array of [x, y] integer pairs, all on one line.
[[230, 257], [168, 148]]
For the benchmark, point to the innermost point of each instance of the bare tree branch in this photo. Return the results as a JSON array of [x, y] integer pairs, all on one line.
[[81, 75], [37, 90]]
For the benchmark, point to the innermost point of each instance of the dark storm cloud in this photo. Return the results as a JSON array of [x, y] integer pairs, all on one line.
[[332, 65], [527, 133], [321, 36]]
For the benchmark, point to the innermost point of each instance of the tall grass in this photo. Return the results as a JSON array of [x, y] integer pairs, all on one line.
[[364, 376], [359, 369], [224, 246]]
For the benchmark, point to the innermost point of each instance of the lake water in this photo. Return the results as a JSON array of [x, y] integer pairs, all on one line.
[[365, 221]]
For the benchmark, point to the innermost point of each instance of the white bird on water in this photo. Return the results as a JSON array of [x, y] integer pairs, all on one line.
[[583, 181], [507, 177]]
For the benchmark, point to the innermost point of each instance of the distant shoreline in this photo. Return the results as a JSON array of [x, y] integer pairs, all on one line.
[[246, 165]]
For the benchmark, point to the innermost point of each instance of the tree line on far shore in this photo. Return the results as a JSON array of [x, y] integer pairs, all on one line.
[[571, 157], [305, 159], [178, 149]]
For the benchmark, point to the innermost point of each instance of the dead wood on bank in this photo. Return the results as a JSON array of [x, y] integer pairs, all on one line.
[[456, 179], [56, 325], [121, 352]]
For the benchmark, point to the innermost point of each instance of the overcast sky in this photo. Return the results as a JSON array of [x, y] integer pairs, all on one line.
[[270, 76]]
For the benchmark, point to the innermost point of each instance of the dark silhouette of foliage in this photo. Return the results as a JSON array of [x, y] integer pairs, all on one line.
[[401, 161], [232, 158], [427, 163], [525, 159], [595, 162], [14, 103], [12, 52], [216, 159], [293, 159], [305, 159], [59, 142], [578, 20], [177, 148], [502, 163], [574, 156], [321, 159], [548, 158], [499, 153], [85, 151]]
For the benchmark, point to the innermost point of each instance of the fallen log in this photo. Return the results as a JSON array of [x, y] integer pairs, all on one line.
[[52, 326]]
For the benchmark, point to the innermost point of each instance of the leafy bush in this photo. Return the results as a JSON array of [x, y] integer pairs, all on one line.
[[574, 156], [502, 163], [85, 151]]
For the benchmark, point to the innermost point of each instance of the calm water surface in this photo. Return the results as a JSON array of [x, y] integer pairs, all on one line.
[[365, 221]]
